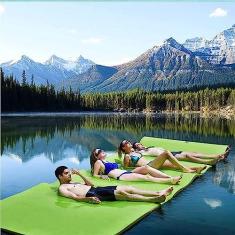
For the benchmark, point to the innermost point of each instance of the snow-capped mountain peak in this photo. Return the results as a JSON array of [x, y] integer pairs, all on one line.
[[219, 50], [195, 43], [55, 69], [78, 66], [80, 58], [173, 43], [53, 60], [26, 58], [22, 59]]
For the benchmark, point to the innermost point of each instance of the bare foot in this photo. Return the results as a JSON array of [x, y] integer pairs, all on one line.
[[221, 157], [166, 191], [176, 179], [224, 155], [159, 199]]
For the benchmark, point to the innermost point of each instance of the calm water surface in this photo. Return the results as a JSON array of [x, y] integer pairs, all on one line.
[[32, 146]]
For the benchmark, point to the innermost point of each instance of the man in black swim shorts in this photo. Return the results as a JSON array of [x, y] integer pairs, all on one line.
[[88, 193]]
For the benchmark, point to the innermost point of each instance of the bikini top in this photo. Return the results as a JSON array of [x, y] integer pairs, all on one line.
[[109, 166], [135, 158]]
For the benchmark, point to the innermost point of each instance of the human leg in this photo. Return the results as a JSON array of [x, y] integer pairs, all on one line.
[[134, 190], [150, 170], [209, 156], [139, 177], [159, 161], [125, 196], [191, 158]]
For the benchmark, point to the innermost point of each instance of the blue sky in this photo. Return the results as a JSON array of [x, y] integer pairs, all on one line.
[[107, 33]]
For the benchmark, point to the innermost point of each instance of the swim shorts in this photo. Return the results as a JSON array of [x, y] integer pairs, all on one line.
[[103, 193]]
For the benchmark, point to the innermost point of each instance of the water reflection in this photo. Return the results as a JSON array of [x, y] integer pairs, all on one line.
[[213, 202], [68, 131], [53, 140], [225, 174]]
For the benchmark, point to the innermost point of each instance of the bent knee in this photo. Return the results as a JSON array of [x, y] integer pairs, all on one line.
[[147, 167], [166, 153], [143, 170]]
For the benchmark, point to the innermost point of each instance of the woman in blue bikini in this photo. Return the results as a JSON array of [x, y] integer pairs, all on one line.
[[104, 169]]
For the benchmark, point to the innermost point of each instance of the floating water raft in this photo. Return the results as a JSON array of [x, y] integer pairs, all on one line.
[[40, 210]]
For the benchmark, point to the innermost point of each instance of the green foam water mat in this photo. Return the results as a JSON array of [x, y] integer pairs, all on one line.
[[40, 210]]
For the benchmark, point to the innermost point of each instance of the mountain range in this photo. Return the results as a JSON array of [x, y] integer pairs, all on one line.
[[171, 66], [219, 50], [54, 70]]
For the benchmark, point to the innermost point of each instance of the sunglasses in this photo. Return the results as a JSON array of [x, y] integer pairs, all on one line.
[[98, 151], [124, 142]]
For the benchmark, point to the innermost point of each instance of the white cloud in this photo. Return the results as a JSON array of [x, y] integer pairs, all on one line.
[[72, 31], [92, 40], [213, 203], [2, 9], [218, 12]]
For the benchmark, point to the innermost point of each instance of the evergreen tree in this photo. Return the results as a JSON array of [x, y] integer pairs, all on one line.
[[32, 81], [24, 78], [16, 96]]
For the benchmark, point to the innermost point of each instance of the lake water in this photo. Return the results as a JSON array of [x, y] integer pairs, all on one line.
[[32, 146]]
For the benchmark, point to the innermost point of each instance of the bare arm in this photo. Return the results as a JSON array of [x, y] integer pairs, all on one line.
[[68, 194], [97, 168], [126, 161], [86, 181]]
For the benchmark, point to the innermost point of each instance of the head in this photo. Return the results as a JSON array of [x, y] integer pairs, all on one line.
[[96, 154], [137, 146], [124, 147], [63, 174]]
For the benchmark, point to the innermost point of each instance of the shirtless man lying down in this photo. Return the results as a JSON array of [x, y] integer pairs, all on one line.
[[88, 193]]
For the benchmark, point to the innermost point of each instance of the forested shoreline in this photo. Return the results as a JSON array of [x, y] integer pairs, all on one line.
[[26, 96]]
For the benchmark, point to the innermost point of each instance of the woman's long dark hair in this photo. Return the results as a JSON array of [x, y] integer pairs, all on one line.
[[93, 159], [134, 146], [120, 151], [120, 148]]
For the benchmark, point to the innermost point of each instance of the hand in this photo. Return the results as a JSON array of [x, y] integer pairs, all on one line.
[[94, 200], [75, 171], [104, 177]]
